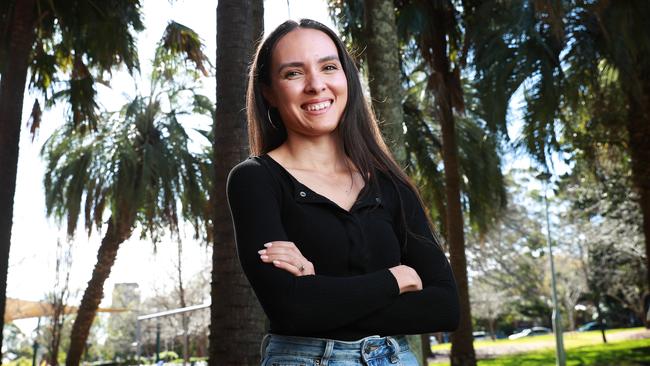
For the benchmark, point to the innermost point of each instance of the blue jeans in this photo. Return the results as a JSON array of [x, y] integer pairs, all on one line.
[[280, 350]]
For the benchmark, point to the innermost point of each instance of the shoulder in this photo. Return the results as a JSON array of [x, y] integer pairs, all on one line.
[[255, 174], [250, 172], [251, 168]]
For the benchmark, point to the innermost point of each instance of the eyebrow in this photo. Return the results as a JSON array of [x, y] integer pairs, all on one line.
[[300, 64]]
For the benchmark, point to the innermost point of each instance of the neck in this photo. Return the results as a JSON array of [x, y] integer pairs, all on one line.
[[323, 154]]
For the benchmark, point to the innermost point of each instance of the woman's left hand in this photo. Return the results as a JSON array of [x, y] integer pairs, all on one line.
[[285, 255]]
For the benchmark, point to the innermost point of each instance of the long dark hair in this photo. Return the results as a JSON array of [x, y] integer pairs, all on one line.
[[358, 129]]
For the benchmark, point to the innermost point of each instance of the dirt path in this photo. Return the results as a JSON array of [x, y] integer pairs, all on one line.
[[484, 351]]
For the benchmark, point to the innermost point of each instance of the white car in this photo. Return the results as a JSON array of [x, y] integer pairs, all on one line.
[[529, 332]]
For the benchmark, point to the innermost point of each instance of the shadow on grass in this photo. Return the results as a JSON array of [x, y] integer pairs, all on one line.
[[630, 353]]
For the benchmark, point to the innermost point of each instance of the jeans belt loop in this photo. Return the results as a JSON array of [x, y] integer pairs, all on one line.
[[329, 348], [265, 342], [394, 358]]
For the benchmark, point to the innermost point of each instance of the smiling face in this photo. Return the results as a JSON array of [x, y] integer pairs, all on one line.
[[308, 84]]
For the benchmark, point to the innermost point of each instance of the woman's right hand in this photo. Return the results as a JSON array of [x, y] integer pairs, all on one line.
[[407, 278]]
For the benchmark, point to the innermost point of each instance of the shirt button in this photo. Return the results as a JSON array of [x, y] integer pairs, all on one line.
[[302, 194], [377, 199]]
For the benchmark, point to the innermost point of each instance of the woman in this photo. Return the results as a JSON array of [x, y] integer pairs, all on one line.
[[330, 232]]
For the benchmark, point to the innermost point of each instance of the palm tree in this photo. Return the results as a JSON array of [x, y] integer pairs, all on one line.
[[384, 77], [237, 320], [430, 37], [137, 167], [16, 44], [582, 63], [52, 39]]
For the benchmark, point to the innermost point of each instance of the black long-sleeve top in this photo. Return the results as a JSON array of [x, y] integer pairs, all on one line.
[[353, 294]]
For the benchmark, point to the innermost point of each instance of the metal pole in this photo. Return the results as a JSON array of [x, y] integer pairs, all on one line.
[[137, 340], [556, 317], [157, 342], [35, 348]]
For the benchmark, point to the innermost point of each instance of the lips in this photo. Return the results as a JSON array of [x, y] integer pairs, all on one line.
[[317, 106]]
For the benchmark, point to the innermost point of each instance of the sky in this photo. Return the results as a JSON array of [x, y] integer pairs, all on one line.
[[34, 237]]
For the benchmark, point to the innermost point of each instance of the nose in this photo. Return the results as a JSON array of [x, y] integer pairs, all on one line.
[[314, 84]]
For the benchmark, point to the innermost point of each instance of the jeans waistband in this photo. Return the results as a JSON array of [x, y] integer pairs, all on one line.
[[326, 349]]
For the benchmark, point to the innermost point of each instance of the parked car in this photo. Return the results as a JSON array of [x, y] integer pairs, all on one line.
[[479, 334], [591, 326], [529, 332]]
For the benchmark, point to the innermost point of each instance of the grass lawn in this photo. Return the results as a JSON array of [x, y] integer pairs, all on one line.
[[583, 349], [571, 339]]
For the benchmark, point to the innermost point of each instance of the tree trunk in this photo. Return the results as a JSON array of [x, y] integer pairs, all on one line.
[[462, 347], [638, 127], [599, 316], [237, 319], [185, 318], [115, 235], [12, 90], [425, 339], [493, 334], [382, 58]]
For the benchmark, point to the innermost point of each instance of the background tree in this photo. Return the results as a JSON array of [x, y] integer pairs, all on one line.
[[237, 322], [384, 77], [578, 63], [61, 42], [429, 39], [137, 166], [571, 284], [16, 35], [608, 228], [508, 259], [58, 298], [18, 346], [121, 327], [488, 303], [185, 318], [381, 57], [166, 297]]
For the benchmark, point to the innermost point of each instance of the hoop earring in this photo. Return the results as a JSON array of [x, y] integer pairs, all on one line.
[[268, 114]]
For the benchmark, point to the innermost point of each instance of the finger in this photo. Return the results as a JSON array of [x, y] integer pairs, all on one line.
[[281, 244], [284, 258], [287, 245], [282, 250], [287, 267]]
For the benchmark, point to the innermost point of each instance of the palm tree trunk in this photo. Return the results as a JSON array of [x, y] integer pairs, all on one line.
[[384, 72], [185, 318], [237, 319], [638, 127], [462, 347], [382, 58], [12, 90], [115, 235]]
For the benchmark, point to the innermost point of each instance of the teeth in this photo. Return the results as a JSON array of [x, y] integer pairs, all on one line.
[[317, 106]]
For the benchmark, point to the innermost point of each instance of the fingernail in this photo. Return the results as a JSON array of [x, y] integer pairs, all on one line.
[[264, 256], [268, 245], [276, 262], [261, 251]]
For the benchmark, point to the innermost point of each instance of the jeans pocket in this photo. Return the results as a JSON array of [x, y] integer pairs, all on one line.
[[288, 360], [407, 358]]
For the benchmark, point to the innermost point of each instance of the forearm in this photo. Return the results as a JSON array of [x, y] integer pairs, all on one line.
[[433, 309], [320, 303]]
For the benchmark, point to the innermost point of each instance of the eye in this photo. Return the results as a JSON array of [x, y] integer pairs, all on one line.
[[330, 67], [291, 74]]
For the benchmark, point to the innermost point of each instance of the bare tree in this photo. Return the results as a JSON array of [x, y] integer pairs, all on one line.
[[58, 298], [488, 303]]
